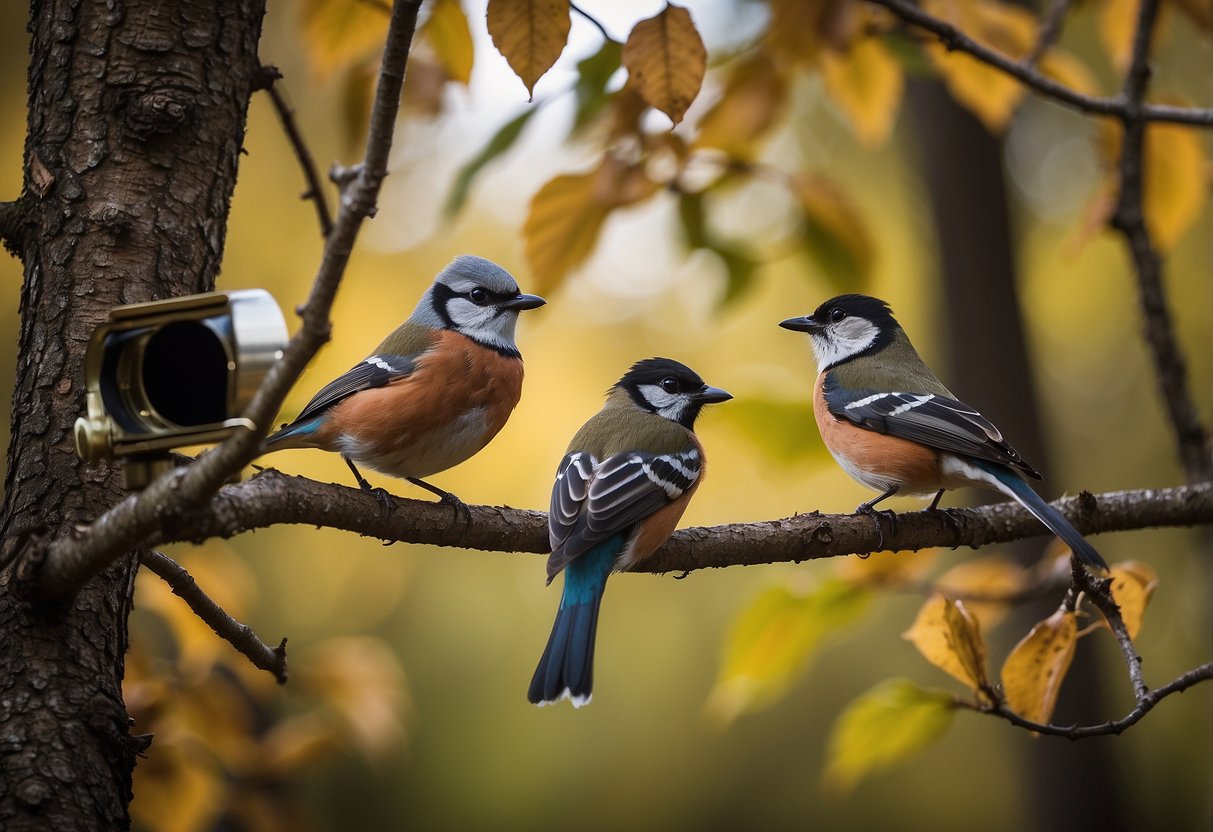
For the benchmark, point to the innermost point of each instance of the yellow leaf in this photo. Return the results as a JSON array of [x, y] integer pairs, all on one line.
[[1117, 23], [772, 640], [1175, 184], [988, 93], [1133, 584], [447, 31], [884, 726], [1034, 670], [866, 82], [568, 212], [835, 235], [363, 685], [339, 34], [949, 637], [753, 100], [988, 585], [530, 34], [666, 60]]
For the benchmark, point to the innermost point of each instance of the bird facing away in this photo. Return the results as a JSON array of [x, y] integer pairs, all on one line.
[[893, 426], [435, 391], [620, 490]]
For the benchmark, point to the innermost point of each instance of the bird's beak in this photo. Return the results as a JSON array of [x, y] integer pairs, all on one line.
[[520, 302], [711, 395], [802, 324]]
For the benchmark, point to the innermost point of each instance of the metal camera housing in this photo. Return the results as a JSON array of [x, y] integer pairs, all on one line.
[[173, 373]]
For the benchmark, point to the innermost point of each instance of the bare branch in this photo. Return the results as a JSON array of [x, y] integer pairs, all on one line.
[[240, 636], [1077, 732], [272, 498], [72, 560], [1191, 438], [315, 188], [954, 39]]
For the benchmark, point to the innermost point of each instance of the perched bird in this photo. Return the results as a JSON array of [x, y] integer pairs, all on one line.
[[619, 492], [893, 426], [434, 392]]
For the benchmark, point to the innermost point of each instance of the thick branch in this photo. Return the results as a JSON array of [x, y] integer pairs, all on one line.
[[272, 498], [956, 40], [240, 636], [71, 561]]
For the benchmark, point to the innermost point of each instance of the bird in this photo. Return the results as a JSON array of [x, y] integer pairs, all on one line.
[[620, 490], [893, 426], [434, 392]]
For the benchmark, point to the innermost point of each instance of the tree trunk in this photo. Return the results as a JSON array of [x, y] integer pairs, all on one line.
[[136, 118]]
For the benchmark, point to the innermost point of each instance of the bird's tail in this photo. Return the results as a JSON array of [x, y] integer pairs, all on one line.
[[1016, 487], [566, 669]]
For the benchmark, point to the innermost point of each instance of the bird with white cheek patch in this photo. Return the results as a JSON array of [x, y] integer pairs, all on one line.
[[435, 391], [620, 490], [893, 426]]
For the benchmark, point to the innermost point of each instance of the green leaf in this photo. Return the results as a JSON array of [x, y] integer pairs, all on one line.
[[891, 722], [593, 75], [773, 639], [502, 141]]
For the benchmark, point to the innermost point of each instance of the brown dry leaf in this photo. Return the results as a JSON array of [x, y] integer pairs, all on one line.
[[798, 31], [753, 100], [982, 582], [339, 34], [447, 32], [866, 82], [666, 60], [949, 637], [1034, 670], [1133, 584], [530, 34], [568, 212], [362, 683], [988, 93], [835, 234]]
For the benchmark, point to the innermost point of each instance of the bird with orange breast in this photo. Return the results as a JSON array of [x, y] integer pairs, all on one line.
[[893, 426], [434, 392], [620, 490]]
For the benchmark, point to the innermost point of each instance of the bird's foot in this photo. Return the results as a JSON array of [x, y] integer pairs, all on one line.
[[876, 515]]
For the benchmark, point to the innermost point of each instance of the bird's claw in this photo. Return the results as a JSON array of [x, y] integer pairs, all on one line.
[[876, 515]]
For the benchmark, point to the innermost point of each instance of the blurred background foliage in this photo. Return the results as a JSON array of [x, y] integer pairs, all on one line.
[[792, 176]]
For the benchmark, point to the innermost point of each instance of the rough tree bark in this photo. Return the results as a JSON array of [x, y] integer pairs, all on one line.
[[136, 118]]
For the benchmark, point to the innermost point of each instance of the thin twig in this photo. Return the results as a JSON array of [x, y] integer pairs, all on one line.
[[315, 188], [1097, 590], [1191, 437], [597, 23], [1077, 732], [73, 559], [954, 39], [240, 636], [1049, 32]]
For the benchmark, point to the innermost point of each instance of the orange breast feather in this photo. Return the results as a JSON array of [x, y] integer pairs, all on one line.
[[876, 460]]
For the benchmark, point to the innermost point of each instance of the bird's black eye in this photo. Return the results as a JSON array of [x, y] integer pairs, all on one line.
[[837, 314], [478, 296], [669, 384]]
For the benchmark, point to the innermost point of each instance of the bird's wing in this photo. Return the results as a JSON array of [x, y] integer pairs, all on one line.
[[937, 421], [376, 371], [592, 499]]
